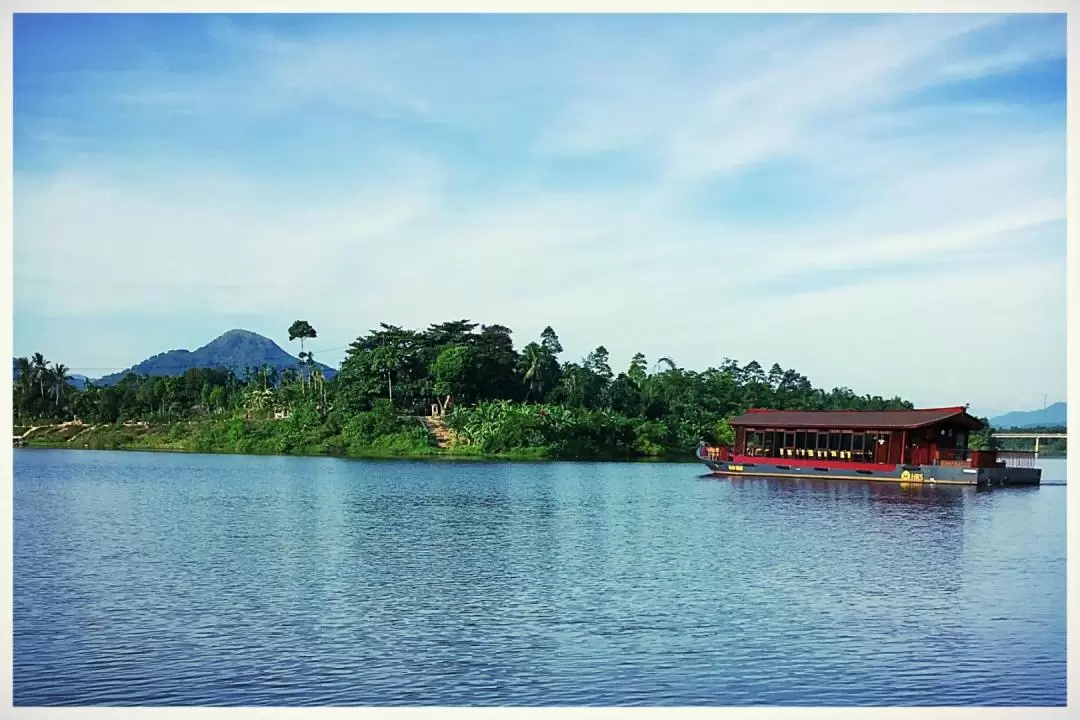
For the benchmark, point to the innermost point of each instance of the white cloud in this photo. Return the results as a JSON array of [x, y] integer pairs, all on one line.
[[415, 238]]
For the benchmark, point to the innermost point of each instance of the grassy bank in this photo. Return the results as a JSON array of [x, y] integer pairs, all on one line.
[[271, 437]]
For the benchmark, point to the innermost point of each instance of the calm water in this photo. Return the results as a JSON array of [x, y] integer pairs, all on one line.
[[159, 579]]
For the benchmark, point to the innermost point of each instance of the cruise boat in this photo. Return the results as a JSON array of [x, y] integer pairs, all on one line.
[[908, 446]]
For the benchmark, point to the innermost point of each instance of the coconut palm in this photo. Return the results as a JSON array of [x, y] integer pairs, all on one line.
[[59, 378], [533, 362], [25, 371], [303, 371], [40, 367]]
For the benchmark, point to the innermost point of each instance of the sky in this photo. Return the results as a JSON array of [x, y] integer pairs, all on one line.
[[877, 201]]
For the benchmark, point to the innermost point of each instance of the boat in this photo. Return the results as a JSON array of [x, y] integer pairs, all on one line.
[[927, 445]]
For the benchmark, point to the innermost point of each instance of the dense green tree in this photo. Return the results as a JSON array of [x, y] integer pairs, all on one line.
[[496, 398], [450, 372], [983, 439]]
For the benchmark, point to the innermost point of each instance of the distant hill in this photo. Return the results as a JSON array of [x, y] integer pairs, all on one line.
[[75, 381], [1053, 415], [236, 350]]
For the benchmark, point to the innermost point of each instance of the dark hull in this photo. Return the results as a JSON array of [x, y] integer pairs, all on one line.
[[920, 474]]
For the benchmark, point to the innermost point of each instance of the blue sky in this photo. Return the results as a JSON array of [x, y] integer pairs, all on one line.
[[875, 200]]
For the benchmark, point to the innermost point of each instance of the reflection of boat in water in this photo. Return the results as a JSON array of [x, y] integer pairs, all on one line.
[[905, 446]]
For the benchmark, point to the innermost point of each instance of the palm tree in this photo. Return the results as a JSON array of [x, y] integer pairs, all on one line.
[[319, 380], [534, 369], [665, 361], [303, 372], [25, 372], [59, 379], [39, 366]]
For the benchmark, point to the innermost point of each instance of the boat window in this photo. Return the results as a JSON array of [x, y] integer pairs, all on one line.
[[800, 441], [857, 441], [834, 441], [789, 440], [770, 440], [845, 441], [823, 441]]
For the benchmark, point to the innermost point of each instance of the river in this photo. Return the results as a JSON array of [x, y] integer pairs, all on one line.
[[182, 579]]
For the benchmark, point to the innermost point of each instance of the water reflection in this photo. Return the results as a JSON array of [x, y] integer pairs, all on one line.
[[215, 580], [914, 534]]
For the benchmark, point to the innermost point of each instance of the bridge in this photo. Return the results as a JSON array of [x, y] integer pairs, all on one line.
[[1036, 436]]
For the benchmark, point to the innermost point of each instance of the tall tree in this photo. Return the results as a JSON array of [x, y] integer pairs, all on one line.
[[550, 341], [638, 371], [493, 364], [24, 386], [533, 375], [60, 378], [667, 363], [301, 329], [451, 373], [40, 369], [25, 371]]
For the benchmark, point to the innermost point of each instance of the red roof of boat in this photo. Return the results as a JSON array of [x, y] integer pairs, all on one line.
[[857, 419]]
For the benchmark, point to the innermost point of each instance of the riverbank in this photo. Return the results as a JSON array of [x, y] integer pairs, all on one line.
[[269, 437]]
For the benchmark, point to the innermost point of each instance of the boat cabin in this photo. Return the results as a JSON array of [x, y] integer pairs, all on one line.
[[881, 437]]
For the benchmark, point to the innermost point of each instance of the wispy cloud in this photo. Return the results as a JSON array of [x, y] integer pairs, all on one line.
[[761, 187]]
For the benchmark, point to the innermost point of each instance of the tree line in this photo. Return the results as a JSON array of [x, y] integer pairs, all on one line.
[[987, 439], [495, 397]]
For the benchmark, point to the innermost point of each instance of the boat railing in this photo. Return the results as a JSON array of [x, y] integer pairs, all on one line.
[[953, 458], [985, 458], [716, 454], [1016, 458]]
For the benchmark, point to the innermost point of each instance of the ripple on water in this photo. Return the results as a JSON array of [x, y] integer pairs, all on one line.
[[152, 579]]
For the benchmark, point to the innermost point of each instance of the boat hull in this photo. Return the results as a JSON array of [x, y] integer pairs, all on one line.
[[916, 474]]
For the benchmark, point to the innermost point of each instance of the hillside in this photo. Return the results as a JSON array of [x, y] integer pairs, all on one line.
[[1053, 415], [236, 350]]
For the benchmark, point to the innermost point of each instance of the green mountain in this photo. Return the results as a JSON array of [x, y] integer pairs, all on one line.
[[236, 350], [1054, 415]]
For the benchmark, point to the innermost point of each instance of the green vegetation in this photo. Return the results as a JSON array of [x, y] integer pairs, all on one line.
[[988, 440], [488, 398], [984, 439], [1048, 447]]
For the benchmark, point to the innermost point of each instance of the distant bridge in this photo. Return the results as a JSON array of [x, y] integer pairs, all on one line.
[[1036, 436]]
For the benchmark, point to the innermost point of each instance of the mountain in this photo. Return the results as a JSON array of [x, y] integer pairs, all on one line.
[[236, 350], [76, 381], [1053, 415]]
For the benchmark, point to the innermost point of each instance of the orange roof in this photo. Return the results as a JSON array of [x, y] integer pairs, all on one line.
[[857, 419]]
